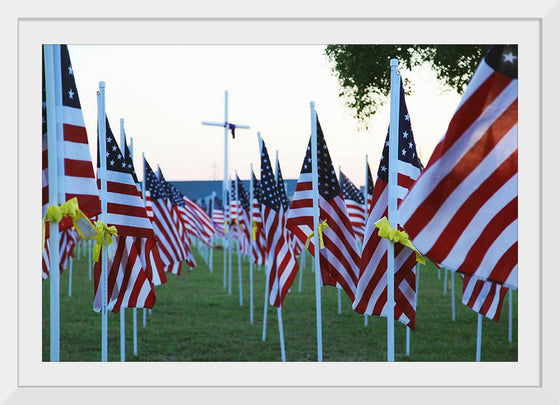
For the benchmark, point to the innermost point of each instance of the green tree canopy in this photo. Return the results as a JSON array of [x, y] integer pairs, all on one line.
[[363, 70]]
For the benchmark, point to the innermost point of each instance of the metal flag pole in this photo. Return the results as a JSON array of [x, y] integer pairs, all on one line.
[[510, 323], [392, 205], [417, 273], [315, 182], [301, 267], [70, 276], [121, 311], [239, 236], [252, 255], [89, 243], [226, 124], [452, 275], [279, 309], [338, 285], [266, 270], [478, 336], [444, 281], [102, 216], [230, 241], [52, 144], [145, 203], [365, 217], [134, 310], [211, 260]]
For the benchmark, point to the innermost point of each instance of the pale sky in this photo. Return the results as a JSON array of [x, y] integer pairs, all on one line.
[[164, 92]]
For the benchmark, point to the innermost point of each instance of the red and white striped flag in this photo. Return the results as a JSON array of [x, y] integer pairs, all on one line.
[[75, 169], [198, 222], [339, 260], [369, 190], [67, 242], [483, 297], [371, 296], [280, 261], [354, 200], [217, 214], [128, 286], [462, 211], [259, 241]]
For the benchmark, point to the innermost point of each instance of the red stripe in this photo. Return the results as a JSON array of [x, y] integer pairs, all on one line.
[[424, 213], [470, 207], [78, 168], [123, 188], [127, 210], [505, 265], [75, 134]]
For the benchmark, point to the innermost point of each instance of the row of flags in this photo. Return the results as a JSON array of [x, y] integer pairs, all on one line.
[[460, 211]]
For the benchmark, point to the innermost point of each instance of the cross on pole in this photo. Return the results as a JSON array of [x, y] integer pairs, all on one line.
[[227, 126]]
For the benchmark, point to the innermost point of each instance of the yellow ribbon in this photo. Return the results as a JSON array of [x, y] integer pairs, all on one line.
[[226, 226], [322, 226], [104, 234], [70, 208], [394, 235], [254, 230]]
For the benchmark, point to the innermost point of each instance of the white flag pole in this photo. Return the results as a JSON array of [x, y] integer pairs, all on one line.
[[89, 243], [392, 205], [70, 276], [122, 319], [145, 203], [134, 310], [239, 236], [266, 272], [102, 216], [365, 217], [478, 336], [510, 323], [251, 245], [452, 275], [279, 309], [230, 242], [212, 237], [444, 281], [52, 144], [301, 267], [315, 182]]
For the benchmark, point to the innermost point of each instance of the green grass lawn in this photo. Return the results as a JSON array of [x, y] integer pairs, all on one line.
[[195, 319]]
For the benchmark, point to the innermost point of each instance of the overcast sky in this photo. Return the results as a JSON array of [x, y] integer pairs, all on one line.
[[164, 92]]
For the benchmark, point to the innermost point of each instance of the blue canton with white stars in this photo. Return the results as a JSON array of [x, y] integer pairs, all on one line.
[[282, 190], [407, 147], [128, 161], [115, 159], [328, 184], [350, 191], [256, 187], [269, 191], [243, 195], [153, 184]]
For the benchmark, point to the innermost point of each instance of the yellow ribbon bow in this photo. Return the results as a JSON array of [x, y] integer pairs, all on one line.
[[254, 230], [322, 226], [70, 208], [226, 226], [104, 234], [394, 235]]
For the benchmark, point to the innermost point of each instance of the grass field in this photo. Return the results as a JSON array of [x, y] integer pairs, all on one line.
[[195, 319]]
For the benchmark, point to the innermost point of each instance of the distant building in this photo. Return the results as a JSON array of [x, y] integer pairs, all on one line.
[[196, 189]]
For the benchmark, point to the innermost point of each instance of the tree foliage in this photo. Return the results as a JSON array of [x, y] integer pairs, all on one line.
[[363, 70]]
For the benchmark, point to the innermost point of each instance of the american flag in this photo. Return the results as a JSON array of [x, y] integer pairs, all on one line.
[[462, 211], [217, 213], [295, 243], [75, 175], [175, 197], [280, 261], [170, 243], [199, 223], [354, 200], [127, 282], [259, 244], [371, 296], [147, 247], [67, 242], [339, 260], [243, 213], [483, 297], [369, 190]]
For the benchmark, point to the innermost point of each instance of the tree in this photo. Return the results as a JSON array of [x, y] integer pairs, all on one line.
[[363, 70]]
